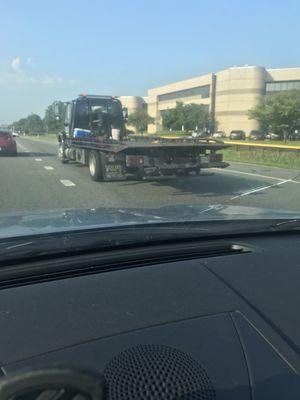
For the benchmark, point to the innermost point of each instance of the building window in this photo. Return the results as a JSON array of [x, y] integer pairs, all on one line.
[[272, 87], [201, 91]]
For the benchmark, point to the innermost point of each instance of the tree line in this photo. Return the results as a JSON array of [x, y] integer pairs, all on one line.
[[279, 113], [187, 117], [34, 124]]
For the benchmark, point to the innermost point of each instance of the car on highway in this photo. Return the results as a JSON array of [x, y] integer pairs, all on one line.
[[15, 134], [237, 135], [256, 135], [7, 143]]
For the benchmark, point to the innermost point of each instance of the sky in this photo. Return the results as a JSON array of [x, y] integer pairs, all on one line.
[[56, 49]]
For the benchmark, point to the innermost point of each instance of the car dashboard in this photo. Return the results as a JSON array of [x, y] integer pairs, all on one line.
[[189, 327]]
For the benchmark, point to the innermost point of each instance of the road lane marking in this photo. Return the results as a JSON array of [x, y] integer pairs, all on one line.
[[67, 182], [48, 167], [260, 189], [247, 173], [252, 174], [38, 159]]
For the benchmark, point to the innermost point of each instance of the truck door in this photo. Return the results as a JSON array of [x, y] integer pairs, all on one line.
[[81, 114]]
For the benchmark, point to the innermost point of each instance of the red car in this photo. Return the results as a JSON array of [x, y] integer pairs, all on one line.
[[7, 143]]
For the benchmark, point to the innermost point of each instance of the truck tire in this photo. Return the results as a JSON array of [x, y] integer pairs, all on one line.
[[96, 165], [63, 160]]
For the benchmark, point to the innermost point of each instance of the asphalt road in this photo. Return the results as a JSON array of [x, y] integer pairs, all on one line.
[[36, 180]]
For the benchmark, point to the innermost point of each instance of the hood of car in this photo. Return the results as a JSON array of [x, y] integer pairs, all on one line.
[[45, 222]]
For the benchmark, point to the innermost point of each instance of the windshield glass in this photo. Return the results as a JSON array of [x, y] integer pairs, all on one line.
[[97, 112], [126, 113]]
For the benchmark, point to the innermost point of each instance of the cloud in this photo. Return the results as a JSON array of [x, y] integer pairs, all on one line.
[[16, 64], [19, 77], [30, 61]]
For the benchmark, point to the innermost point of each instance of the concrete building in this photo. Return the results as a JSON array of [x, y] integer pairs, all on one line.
[[228, 94], [133, 103]]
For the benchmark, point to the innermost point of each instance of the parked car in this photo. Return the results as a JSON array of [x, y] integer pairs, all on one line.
[[7, 143], [237, 135], [256, 135], [201, 134], [15, 134], [272, 136], [218, 135]]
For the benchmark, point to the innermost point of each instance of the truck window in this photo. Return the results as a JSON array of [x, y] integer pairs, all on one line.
[[82, 119]]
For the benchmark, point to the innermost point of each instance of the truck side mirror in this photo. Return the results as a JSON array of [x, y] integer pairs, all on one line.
[[55, 108], [125, 113]]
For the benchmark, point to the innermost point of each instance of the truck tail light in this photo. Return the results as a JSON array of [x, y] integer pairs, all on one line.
[[134, 161]]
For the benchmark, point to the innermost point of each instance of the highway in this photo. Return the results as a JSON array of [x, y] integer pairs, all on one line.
[[36, 180]]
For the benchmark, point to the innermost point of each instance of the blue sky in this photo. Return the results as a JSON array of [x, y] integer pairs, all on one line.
[[57, 49]]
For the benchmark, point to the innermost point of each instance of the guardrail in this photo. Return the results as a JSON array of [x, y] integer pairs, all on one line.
[[264, 146]]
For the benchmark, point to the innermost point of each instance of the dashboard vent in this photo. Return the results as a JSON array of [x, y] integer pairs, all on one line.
[[150, 372]]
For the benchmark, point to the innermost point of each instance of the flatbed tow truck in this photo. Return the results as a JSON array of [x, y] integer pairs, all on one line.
[[95, 135]]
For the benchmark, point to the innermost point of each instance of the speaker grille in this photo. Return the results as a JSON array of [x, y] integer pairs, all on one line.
[[150, 372]]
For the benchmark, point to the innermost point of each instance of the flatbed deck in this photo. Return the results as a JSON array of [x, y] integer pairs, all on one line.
[[146, 143]]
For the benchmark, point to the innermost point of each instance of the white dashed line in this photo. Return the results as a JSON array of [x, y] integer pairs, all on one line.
[[260, 189], [38, 159], [67, 182], [48, 167]]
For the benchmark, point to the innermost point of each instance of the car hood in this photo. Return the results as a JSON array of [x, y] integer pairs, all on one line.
[[64, 220]]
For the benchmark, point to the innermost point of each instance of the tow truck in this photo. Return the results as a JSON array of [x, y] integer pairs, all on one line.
[[95, 135]]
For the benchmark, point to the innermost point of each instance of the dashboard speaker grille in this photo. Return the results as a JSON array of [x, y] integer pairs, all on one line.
[[149, 372]]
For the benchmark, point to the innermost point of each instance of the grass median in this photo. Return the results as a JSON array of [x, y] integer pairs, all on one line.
[[273, 158]]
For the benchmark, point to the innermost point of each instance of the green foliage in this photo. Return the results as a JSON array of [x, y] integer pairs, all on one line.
[[279, 113], [277, 158], [140, 119], [33, 124], [51, 122], [191, 116], [20, 126]]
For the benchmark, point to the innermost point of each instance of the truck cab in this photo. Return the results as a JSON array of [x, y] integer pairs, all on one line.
[[101, 116]]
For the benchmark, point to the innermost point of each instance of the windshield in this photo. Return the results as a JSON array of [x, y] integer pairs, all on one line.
[[130, 113], [90, 113]]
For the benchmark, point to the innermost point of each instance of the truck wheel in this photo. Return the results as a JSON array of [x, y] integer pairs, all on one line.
[[61, 155], [95, 165]]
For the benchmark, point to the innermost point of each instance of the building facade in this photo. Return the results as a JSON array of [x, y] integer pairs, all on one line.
[[133, 104], [228, 95]]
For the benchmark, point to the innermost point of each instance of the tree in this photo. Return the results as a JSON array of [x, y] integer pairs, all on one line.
[[279, 113], [20, 125], [191, 116], [140, 119], [34, 124], [51, 122]]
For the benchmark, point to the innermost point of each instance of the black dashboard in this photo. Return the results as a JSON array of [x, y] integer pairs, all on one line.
[[220, 327]]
